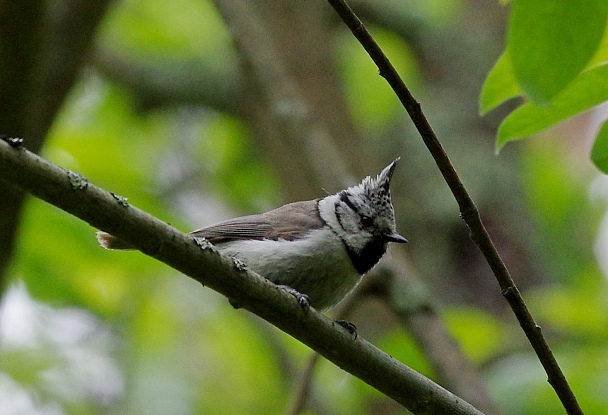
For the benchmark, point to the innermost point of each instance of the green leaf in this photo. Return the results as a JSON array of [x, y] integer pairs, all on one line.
[[550, 42], [599, 152], [499, 86], [586, 91]]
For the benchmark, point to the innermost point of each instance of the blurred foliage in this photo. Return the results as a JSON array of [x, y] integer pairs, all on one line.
[[89, 331], [362, 84], [182, 27]]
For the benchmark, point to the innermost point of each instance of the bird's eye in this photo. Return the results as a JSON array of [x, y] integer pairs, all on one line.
[[367, 221]]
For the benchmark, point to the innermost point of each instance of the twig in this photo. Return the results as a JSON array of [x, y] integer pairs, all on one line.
[[302, 391], [342, 311], [74, 194], [468, 210]]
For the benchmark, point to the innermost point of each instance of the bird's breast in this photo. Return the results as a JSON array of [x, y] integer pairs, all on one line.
[[317, 265]]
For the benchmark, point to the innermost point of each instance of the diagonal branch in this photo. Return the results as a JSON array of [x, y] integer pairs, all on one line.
[[468, 210], [71, 192]]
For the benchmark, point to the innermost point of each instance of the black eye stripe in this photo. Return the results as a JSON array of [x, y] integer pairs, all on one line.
[[364, 218], [344, 198]]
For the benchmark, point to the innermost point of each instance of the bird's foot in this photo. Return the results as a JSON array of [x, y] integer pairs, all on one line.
[[303, 299], [349, 327]]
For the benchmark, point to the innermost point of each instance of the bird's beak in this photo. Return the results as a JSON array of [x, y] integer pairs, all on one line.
[[394, 237]]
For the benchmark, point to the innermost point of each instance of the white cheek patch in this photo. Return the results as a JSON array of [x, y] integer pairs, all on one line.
[[347, 218], [328, 213], [348, 226]]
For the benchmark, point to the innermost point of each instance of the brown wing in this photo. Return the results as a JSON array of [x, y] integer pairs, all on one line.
[[246, 227], [288, 222]]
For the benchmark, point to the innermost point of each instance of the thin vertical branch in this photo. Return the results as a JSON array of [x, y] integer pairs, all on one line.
[[468, 210], [268, 64]]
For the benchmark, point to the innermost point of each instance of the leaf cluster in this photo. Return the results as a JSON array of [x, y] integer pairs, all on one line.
[[556, 57]]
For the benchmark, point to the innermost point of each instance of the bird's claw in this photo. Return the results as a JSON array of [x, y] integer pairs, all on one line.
[[349, 327], [302, 299]]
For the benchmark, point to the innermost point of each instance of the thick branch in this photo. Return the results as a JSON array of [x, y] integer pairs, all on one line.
[[72, 193], [468, 210]]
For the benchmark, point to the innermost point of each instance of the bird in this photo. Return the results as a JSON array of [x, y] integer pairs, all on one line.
[[318, 250]]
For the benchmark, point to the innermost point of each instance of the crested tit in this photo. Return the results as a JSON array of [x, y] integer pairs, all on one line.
[[320, 248]]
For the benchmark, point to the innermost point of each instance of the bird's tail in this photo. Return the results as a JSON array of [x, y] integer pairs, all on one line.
[[113, 243]]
